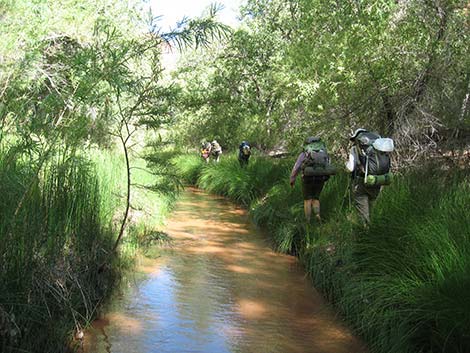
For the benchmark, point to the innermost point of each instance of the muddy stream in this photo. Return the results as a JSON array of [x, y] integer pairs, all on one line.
[[218, 288]]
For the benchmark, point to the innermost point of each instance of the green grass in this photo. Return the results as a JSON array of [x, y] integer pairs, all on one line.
[[149, 208], [52, 241], [57, 229], [402, 283], [227, 178], [188, 167]]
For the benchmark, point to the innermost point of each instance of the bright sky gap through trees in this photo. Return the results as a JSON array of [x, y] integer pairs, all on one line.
[[171, 12]]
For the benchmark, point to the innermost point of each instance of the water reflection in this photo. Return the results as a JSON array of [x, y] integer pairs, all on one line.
[[219, 288]]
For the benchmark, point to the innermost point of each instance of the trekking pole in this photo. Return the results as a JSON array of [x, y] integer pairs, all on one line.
[[345, 194], [348, 191]]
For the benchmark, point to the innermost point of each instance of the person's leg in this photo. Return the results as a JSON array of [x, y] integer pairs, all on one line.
[[307, 192], [308, 210], [361, 202], [316, 209], [373, 193], [316, 191]]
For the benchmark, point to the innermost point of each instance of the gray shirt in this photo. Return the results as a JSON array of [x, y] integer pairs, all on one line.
[[297, 166]]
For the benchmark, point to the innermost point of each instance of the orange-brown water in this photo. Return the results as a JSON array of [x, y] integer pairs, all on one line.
[[219, 288]]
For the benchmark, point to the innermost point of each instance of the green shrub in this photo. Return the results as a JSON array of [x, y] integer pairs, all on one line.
[[404, 279]]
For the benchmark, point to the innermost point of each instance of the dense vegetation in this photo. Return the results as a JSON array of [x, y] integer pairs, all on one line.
[[298, 67], [81, 99], [90, 124], [402, 283]]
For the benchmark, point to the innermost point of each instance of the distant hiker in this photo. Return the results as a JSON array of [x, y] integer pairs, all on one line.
[[314, 163], [206, 151], [244, 153], [369, 164], [216, 150]]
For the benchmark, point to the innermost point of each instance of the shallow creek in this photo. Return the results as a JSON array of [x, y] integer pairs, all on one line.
[[218, 288]]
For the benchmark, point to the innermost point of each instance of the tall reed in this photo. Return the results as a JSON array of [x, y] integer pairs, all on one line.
[[52, 241], [58, 225]]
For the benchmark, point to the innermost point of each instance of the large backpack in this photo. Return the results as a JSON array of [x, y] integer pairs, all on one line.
[[317, 160], [216, 147], [374, 156], [245, 149]]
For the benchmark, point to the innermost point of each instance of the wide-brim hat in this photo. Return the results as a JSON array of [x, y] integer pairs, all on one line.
[[356, 133]]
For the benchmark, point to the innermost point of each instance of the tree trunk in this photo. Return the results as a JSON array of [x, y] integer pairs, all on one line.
[[128, 196], [464, 107], [424, 77]]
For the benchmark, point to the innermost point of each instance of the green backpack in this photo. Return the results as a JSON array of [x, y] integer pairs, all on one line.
[[317, 161]]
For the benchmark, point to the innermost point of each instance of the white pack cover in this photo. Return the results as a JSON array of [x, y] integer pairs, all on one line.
[[384, 144]]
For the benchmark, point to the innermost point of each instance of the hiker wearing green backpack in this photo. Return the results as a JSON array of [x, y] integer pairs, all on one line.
[[369, 164], [314, 163]]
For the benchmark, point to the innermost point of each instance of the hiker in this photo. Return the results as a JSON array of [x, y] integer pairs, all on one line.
[[206, 151], [369, 164], [244, 153], [216, 151], [314, 163]]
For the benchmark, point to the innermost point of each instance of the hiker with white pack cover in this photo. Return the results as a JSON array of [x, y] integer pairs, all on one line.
[[216, 151], [369, 164]]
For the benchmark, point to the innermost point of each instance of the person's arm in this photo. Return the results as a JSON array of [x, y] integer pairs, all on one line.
[[296, 168], [352, 161]]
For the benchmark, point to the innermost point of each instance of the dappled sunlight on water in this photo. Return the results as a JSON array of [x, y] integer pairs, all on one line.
[[219, 288]]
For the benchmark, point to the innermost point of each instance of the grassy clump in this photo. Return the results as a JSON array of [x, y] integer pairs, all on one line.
[[402, 282], [58, 226], [413, 264], [52, 241], [243, 185], [188, 167]]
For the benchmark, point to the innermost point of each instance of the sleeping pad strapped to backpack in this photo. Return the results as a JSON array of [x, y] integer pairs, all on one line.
[[317, 160]]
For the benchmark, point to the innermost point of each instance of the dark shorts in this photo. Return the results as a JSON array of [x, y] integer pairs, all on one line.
[[312, 187], [243, 157]]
